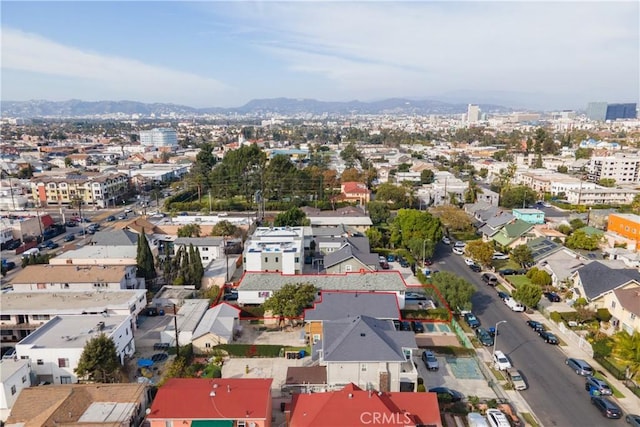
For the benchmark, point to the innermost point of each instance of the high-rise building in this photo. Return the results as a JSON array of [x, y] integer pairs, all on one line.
[[621, 111], [602, 111], [473, 113], [159, 137]]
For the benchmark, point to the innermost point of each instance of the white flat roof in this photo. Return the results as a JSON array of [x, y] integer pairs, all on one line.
[[71, 331], [68, 302]]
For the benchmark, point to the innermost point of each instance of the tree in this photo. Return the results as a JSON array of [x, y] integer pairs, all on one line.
[[68, 162], [294, 217], [635, 204], [413, 225], [522, 255], [626, 350], [290, 300], [375, 237], [471, 193], [189, 230], [577, 224], [563, 169], [452, 217], [379, 212], [388, 192], [541, 278], [528, 294], [144, 258], [607, 182], [350, 155], [581, 240], [427, 176], [454, 289], [224, 228], [480, 251], [99, 361], [483, 173], [517, 197], [583, 153]]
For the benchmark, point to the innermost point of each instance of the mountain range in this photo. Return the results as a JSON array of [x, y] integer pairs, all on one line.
[[257, 107]]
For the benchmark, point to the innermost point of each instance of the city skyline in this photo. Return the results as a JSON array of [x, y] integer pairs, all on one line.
[[206, 54]]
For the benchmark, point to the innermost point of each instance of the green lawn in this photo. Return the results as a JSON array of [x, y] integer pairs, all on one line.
[[518, 280], [500, 264], [529, 419]]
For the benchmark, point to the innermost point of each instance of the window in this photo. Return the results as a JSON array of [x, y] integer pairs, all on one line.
[[276, 259], [242, 424], [347, 268], [13, 390], [24, 378], [205, 248], [613, 304], [207, 345], [363, 367], [297, 259], [633, 316], [316, 338], [266, 259], [41, 317], [5, 317], [65, 379], [63, 363], [39, 362]]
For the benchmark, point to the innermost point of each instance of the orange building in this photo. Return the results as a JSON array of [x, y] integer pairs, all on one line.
[[626, 225]]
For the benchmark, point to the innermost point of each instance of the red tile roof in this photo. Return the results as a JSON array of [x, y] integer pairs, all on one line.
[[354, 188], [209, 399], [353, 406]]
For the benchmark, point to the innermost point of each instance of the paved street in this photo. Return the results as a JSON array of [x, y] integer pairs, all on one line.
[[556, 394]]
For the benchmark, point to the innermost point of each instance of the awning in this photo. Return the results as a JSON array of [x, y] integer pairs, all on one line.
[[212, 423], [145, 363]]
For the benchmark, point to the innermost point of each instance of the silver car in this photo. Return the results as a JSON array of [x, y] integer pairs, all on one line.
[[430, 361], [579, 366]]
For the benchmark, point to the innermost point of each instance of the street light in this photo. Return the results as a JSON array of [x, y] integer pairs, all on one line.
[[495, 338], [424, 243]]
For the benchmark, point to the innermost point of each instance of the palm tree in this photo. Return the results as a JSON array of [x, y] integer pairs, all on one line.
[[627, 351]]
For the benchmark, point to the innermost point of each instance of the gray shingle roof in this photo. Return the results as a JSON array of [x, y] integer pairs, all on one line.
[[340, 305], [115, 238], [368, 281], [365, 339], [500, 220], [199, 241], [357, 247], [597, 278], [218, 321]]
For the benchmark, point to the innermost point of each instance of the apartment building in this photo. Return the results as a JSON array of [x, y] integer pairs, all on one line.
[[276, 249], [623, 168], [94, 189], [55, 348], [210, 248], [159, 137], [61, 278], [626, 225], [601, 196]]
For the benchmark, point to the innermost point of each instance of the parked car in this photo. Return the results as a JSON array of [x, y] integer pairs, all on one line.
[[447, 393], [418, 327], [579, 366], [600, 385], [430, 361], [552, 296], [514, 305], [42, 246], [69, 237], [549, 338], [385, 265], [8, 265], [475, 268], [515, 378], [391, 258], [606, 407], [457, 250], [403, 262], [501, 361], [111, 218], [405, 326], [446, 240], [536, 326], [497, 418], [14, 244], [499, 256], [52, 245], [418, 296], [471, 320], [122, 216], [507, 272], [484, 337], [71, 224], [489, 279], [633, 419], [503, 295], [469, 261]]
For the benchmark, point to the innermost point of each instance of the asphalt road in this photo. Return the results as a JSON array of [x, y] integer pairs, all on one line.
[[556, 394]]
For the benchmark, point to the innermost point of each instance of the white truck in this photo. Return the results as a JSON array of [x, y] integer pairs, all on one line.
[[29, 252], [514, 305]]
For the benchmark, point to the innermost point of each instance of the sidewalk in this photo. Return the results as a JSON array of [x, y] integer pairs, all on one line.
[[629, 403]]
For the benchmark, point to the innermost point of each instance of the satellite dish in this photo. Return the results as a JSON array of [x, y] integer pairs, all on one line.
[[147, 411]]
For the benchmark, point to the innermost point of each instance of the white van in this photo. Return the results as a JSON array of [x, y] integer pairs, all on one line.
[[514, 305], [29, 252], [475, 419]]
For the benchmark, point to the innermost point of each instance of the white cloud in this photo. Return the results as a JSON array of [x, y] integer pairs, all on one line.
[[121, 78]]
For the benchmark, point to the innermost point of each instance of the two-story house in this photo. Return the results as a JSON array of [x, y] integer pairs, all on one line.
[[513, 234], [277, 249], [55, 348], [57, 278], [230, 402], [15, 375], [624, 306], [368, 352], [350, 216], [599, 278], [210, 248], [352, 254], [355, 192]]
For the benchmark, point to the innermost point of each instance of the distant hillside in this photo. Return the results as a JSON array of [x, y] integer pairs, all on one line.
[[285, 106]]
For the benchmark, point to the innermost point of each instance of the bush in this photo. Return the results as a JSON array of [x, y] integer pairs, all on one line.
[[603, 315], [569, 316], [555, 316], [580, 302], [421, 388]]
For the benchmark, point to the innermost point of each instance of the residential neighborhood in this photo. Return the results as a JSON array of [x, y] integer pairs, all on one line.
[[191, 273]]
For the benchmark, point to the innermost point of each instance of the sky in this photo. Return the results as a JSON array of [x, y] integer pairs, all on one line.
[[530, 54]]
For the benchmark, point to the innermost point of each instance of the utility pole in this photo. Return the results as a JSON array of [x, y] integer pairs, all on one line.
[[175, 323], [210, 202]]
